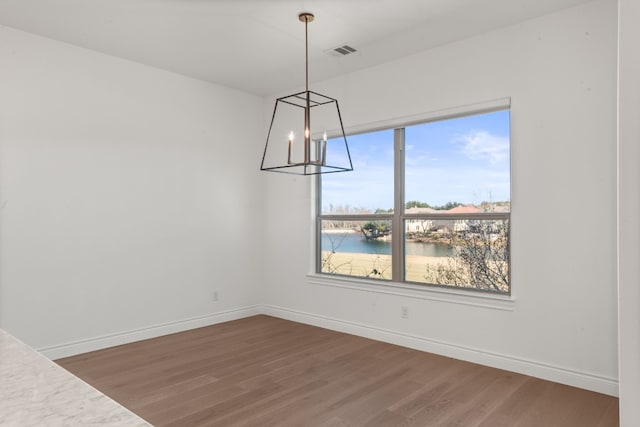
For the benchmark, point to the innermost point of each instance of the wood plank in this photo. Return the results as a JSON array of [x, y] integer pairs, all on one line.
[[264, 371]]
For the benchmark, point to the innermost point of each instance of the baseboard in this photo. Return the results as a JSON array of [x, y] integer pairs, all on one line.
[[536, 369], [98, 343], [544, 371]]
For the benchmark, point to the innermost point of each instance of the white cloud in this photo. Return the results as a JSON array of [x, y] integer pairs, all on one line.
[[481, 145]]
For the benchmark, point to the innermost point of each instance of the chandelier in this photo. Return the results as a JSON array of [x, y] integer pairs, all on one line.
[[306, 135]]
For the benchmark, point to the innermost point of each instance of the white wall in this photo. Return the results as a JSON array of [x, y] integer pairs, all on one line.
[[560, 72], [629, 211], [128, 195]]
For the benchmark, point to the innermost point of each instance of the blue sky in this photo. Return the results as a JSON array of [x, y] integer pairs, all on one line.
[[462, 160]]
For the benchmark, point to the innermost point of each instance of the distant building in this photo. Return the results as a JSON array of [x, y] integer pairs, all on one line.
[[419, 225]]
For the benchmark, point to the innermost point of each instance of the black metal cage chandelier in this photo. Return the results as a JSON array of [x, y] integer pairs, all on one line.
[[306, 136]]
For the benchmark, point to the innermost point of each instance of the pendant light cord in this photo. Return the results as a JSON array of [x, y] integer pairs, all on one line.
[[306, 54], [307, 110]]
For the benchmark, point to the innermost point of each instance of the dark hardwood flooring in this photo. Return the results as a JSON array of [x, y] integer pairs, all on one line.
[[264, 371]]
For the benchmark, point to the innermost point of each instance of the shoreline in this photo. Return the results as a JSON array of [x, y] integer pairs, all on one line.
[[388, 238], [439, 240], [340, 231]]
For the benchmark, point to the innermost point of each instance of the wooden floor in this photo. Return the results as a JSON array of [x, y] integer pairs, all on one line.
[[263, 371]]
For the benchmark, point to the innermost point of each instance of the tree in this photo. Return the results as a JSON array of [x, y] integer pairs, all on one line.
[[383, 211], [327, 263], [447, 206], [481, 262], [375, 229], [416, 204]]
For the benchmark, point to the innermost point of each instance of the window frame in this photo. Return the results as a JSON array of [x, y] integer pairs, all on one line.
[[399, 217]]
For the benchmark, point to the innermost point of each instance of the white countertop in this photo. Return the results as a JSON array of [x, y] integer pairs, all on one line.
[[34, 391]]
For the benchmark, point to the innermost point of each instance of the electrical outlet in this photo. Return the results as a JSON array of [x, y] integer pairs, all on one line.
[[404, 312], [215, 296]]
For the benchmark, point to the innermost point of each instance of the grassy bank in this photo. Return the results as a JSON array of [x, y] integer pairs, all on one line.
[[377, 266]]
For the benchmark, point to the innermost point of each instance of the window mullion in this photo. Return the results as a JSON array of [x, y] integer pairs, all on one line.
[[397, 245]]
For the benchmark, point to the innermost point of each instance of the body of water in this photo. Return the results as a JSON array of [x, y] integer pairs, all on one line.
[[356, 243]]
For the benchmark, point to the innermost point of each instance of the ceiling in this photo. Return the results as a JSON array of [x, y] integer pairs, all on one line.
[[258, 45]]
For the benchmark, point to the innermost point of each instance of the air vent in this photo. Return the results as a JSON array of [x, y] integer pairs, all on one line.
[[342, 50]]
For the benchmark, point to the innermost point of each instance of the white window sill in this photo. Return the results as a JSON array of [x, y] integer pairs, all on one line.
[[431, 293]]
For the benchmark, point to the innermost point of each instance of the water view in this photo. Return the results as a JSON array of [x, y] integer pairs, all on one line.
[[356, 243]]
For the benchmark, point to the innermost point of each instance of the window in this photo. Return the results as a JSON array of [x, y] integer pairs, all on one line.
[[427, 203]]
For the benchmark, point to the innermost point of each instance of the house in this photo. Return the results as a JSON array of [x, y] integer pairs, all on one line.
[[419, 225], [131, 195]]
